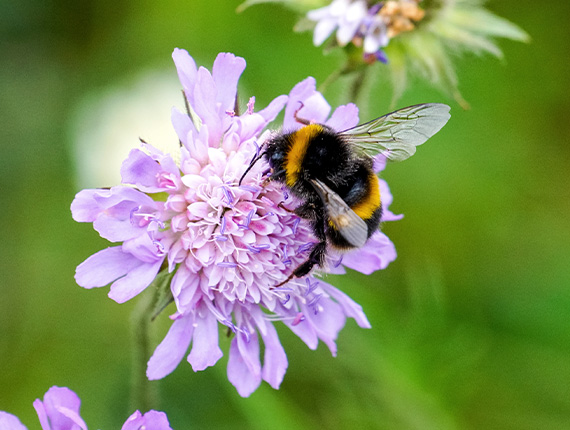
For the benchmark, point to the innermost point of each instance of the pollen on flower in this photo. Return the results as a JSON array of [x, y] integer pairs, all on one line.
[[400, 16], [250, 105]]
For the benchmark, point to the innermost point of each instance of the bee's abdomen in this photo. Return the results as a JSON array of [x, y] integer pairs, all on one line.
[[363, 197], [369, 200]]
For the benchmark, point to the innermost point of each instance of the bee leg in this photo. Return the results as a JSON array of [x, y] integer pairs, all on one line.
[[313, 212], [310, 211], [266, 181], [282, 206], [316, 257]]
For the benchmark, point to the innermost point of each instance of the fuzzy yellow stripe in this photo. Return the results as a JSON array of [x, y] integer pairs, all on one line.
[[366, 207], [299, 144]]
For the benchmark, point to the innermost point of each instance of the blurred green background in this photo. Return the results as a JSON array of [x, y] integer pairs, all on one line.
[[471, 326]]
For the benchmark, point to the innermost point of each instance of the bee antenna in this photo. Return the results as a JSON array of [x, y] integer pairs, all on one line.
[[301, 120], [253, 161]]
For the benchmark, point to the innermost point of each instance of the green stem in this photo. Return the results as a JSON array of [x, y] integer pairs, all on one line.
[[143, 395], [356, 86], [329, 80]]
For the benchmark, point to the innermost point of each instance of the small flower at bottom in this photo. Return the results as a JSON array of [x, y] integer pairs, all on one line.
[[10, 422], [59, 410], [227, 244], [152, 420]]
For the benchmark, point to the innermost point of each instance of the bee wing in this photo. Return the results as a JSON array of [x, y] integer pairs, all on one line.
[[349, 225], [397, 134]]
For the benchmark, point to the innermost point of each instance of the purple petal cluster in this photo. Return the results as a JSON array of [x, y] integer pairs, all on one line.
[[59, 410], [367, 24], [228, 245]]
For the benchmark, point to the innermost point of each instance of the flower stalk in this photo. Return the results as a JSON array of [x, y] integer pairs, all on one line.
[[143, 393]]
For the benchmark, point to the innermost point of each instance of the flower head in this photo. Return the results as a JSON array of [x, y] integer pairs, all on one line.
[[227, 245], [410, 36], [368, 25], [59, 410]]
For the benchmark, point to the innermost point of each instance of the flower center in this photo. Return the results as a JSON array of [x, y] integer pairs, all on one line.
[[400, 16]]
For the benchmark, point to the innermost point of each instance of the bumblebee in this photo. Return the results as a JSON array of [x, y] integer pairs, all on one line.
[[332, 174]]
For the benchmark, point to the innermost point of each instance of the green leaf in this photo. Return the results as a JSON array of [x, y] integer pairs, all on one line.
[[486, 23], [301, 6]]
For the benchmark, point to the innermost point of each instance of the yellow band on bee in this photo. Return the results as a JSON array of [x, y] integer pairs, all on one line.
[[299, 144], [368, 205]]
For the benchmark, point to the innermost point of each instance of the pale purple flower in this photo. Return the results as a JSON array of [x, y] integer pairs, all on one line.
[[59, 410], [374, 34], [10, 422], [228, 245], [152, 420], [344, 16], [354, 21], [366, 24]]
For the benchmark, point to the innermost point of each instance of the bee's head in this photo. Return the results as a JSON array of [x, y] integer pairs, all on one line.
[[276, 151]]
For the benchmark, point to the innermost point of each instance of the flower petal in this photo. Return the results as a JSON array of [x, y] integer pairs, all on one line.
[[184, 287], [104, 267], [10, 422], [273, 109], [152, 420], [204, 92], [183, 125], [378, 252], [42, 414], [186, 68], [350, 307], [144, 248], [306, 103], [134, 422], [170, 352], [60, 410], [84, 207], [244, 369], [134, 282], [305, 331], [323, 30], [205, 349], [226, 72], [274, 358], [387, 198], [110, 211], [350, 22], [141, 170], [344, 117], [327, 321]]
